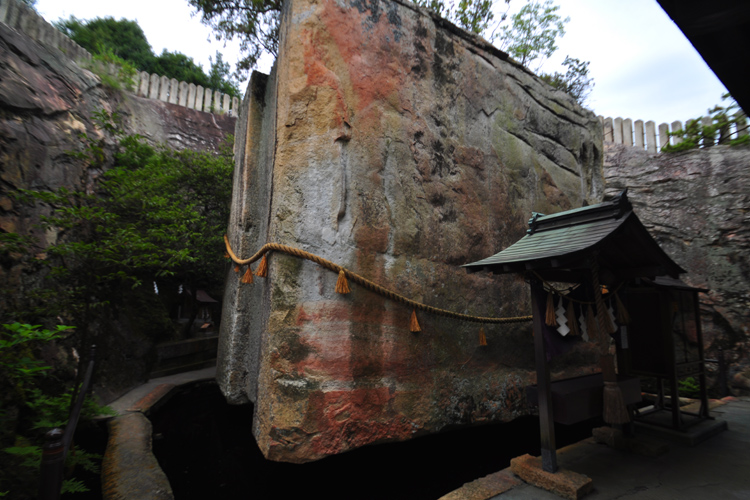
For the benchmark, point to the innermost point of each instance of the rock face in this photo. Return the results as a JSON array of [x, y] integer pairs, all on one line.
[[46, 102], [695, 204], [399, 147]]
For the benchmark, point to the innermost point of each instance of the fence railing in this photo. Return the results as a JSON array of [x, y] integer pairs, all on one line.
[[652, 138], [55, 449], [23, 18], [185, 94]]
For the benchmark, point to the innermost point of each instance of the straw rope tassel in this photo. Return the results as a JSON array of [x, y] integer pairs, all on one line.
[[591, 327], [622, 314], [248, 276], [236, 269], [572, 319], [614, 411], [413, 323], [550, 319], [609, 325], [482, 336], [342, 286], [262, 270]]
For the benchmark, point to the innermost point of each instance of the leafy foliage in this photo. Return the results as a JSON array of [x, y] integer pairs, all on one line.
[[21, 369], [722, 118], [532, 33], [123, 38], [101, 63], [689, 387], [143, 212], [254, 22], [156, 214], [575, 81], [475, 16], [123, 41], [52, 411], [17, 362]]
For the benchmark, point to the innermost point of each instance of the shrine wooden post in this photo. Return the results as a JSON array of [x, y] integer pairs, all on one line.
[[546, 418]]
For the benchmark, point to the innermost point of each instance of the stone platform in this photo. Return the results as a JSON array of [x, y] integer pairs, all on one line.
[[714, 468]]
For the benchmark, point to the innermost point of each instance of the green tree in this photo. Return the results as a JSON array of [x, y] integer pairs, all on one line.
[[177, 65], [575, 81], [156, 214], [123, 38], [113, 41], [530, 38], [220, 76], [30, 406], [475, 16], [255, 23], [718, 131]]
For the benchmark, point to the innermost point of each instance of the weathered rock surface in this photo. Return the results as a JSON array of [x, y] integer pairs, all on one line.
[[46, 102], [696, 205], [399, 147]]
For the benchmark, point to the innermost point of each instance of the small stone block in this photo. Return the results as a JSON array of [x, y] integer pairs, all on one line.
[[485, 487], [565, 483], [153, 397]]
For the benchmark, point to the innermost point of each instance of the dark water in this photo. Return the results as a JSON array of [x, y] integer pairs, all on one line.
[[206, 448]]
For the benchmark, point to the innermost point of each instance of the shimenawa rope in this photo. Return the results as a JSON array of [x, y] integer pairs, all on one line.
[[374, 287]]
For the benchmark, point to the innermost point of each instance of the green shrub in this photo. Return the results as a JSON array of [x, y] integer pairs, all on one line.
[[695, 134], [37, 411]]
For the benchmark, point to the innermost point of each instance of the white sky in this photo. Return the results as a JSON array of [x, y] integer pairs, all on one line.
[[643, 66]]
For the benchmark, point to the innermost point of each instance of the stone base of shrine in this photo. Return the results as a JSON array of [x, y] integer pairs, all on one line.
[[565, 483]]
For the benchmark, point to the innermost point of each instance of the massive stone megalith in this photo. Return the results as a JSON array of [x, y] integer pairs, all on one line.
[[400, 147]]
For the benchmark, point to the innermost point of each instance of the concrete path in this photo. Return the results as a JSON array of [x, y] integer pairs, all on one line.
[[158, 387], [716, 468], [129, 468]]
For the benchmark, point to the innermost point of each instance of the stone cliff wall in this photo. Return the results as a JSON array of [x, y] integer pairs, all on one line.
[[696, 205], [400, 147], [46, 102]]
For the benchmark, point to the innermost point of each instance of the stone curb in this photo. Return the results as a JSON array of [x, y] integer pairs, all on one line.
[[485, 487], [130, 469], [565, 483]]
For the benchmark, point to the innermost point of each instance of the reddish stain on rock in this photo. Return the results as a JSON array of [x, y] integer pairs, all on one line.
[[349, 419]]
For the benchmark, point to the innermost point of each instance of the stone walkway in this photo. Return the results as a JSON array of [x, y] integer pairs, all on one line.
[[143, 396], [129, 468], [718, 467]]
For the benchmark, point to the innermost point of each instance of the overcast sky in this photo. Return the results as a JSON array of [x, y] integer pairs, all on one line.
[[643, 66]]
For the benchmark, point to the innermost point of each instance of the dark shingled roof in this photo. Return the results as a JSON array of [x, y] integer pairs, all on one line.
[[560, 246]]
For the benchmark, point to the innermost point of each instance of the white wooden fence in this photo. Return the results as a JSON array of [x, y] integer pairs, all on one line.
[[18, 15], [23, 18], [185, 94], [647, 135]]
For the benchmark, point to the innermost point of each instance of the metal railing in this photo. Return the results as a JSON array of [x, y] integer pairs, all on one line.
[[57, 443]]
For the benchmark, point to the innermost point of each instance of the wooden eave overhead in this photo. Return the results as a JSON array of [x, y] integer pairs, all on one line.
[[559, 247], [720, 32]]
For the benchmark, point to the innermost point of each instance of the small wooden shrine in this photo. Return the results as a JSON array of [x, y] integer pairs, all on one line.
[[664, 341], [594, 251]]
